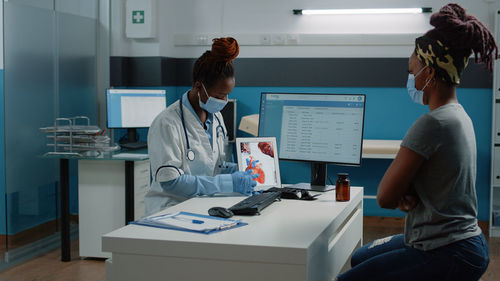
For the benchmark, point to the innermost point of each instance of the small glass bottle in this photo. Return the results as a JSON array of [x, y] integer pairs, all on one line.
[[343, 187]]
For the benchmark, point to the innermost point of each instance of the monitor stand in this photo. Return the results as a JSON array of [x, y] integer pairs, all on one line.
[[318, 179], [132, 142]]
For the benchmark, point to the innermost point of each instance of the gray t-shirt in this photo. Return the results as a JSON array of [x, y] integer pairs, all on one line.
[[445, 183]]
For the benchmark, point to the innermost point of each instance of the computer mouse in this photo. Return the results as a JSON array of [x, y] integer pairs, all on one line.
[[305, 195], [220, 212], [290, 194]]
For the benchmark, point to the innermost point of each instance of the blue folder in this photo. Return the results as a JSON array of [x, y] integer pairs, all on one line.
[[149, 221]]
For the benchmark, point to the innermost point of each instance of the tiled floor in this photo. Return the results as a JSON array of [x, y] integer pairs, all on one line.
[[49, 268]]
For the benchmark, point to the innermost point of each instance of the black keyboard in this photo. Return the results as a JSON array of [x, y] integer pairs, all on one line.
[[252, 205]]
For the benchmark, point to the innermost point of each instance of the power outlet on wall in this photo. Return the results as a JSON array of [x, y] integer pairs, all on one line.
[[278, 39], [202, 40], [265, 39], [292, 39]]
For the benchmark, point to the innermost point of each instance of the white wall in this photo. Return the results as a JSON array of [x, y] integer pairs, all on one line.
[[245, 20], [44, 4], [84, 8], [103, 63]]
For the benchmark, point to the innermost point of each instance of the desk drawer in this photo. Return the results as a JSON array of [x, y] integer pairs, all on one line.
[[141, 168], [141, 188], [343, 242], [110, 276], [141, 178], [139, 208]]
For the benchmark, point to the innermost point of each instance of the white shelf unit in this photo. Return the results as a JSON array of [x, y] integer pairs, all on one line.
[[495, 210], [495, 142], [495, 231]]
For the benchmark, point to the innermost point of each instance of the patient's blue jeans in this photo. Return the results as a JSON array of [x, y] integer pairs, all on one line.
[[391, 259]]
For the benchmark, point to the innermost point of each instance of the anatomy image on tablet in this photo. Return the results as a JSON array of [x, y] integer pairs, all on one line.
[[259, 158], [256, 169]]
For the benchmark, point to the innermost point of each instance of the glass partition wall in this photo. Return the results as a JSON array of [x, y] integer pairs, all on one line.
[[49, 72]]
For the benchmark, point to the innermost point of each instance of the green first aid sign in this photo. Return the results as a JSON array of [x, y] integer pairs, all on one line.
[[137, 16]]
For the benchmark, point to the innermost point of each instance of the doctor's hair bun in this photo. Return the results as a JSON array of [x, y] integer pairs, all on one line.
[[225, 49], [463, 33], [216, 64]]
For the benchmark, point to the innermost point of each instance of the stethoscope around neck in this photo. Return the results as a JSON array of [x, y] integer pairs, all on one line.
[[190, 155]]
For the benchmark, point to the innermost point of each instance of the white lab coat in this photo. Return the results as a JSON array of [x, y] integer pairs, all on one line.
[[168, 153]]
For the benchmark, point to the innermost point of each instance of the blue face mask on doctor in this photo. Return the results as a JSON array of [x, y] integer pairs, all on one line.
[[212, 105], [416, 95]]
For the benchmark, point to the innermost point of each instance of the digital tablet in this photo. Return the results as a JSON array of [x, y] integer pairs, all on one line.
[[260, 155]]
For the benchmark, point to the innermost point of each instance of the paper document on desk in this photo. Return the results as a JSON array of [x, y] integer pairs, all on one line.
[[185, 221]]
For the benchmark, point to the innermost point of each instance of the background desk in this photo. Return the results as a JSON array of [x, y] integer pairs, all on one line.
[[290, 240], [110, 194], [381, 149]]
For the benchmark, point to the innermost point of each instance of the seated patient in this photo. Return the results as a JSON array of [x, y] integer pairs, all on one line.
[[433, 176]]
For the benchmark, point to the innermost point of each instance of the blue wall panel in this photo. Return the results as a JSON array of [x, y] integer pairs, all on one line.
[[29, 103], [46, 206], [389, 114]]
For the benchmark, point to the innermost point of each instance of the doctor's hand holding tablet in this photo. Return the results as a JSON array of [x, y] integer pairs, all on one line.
[[186, 140]]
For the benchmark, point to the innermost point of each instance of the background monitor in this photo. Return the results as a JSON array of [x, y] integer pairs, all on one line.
[[133, 108], [317, 128], [229, 115]]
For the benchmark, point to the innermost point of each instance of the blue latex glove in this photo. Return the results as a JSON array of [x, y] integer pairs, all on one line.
[[243, 182]]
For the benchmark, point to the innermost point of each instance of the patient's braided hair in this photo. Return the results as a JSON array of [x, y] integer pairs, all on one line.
[[464, 33], [216, 64]]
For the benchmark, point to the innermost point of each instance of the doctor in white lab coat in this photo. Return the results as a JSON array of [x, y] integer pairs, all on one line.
[[186, 141]]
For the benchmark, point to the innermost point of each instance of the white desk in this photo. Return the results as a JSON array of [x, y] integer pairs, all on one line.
[[110, 194], [290, 240]]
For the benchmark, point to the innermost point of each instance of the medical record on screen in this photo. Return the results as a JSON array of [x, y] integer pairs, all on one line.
[[314, 127], [134, 108]]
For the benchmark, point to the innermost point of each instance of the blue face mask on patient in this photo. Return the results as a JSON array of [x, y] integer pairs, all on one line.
[[416, 95], [212, 105]]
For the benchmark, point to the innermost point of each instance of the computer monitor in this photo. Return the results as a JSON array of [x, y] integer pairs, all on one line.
[[132, 109], [318, 128], [229, 115]]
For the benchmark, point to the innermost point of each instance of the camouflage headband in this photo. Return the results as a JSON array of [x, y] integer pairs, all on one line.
[[449, 65]]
